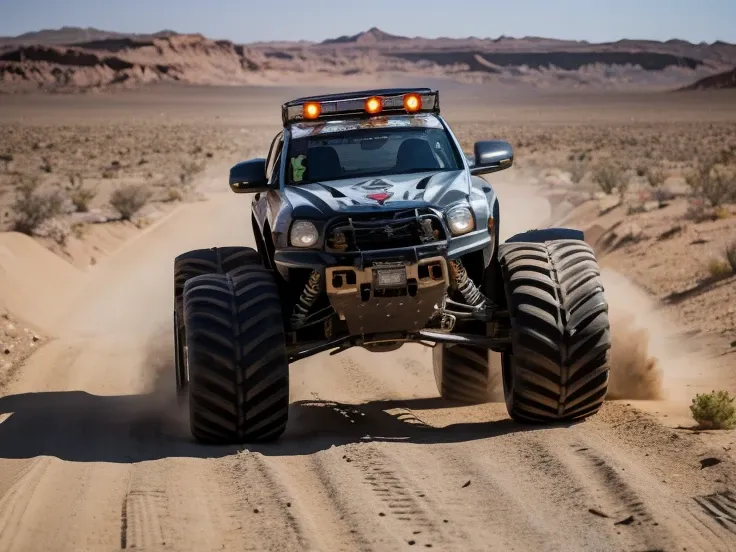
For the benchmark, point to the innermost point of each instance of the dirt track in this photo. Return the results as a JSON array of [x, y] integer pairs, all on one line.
[[95, 454]]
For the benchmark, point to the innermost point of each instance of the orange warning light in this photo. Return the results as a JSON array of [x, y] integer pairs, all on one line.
[[412, 102], [373, 105], [312, 110]]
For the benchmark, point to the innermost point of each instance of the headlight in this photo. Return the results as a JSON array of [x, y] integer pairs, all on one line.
[[303, 234], [460, 220]]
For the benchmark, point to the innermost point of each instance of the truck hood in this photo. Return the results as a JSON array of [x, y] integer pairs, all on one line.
[[321, 200]]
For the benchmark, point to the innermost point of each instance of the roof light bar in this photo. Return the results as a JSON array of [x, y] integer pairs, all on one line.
[[374, 105], [361, 104], [311, 110], [412, 102]]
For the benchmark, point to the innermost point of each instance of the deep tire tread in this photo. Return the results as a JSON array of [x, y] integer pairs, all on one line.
[[558, 362], [461, 373], [239, 388]]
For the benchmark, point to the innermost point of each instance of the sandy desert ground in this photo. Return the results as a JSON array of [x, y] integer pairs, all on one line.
[[95, 453]]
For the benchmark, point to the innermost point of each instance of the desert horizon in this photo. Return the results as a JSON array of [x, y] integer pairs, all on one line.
[[78, 59]]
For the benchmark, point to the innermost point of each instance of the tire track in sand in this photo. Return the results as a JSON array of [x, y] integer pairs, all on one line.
[[16, 500]]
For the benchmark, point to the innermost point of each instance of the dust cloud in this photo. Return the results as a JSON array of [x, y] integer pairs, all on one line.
[[647, 362], [160, 405]]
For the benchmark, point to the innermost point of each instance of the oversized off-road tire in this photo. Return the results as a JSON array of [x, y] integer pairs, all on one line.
[[557, 367], [236, 349], [461, 373], [216, 260]]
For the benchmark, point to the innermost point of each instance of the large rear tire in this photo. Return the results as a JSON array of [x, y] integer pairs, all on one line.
[[467, 374], [216, 260], [557, 367], [236, 349]]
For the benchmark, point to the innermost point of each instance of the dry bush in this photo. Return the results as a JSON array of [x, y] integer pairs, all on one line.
[[713, 182], [696, 210], [719, 268], [714, 410], [610, 178], [731, 255], [80, 196], [189, 169], [7, 158], [655, 176], [46, 165], [129, 199], [578, 168], [32, 206]]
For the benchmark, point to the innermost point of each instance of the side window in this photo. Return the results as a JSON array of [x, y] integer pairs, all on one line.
[[273, 154], [273, 177]]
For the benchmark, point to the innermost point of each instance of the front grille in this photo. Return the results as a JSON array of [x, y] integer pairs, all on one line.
[[383, 230]]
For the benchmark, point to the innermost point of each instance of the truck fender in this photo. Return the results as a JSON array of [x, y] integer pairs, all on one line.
[[547, 234]]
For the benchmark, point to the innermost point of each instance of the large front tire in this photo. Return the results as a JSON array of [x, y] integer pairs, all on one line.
[[215, 260], [236, 349], [557, 367]]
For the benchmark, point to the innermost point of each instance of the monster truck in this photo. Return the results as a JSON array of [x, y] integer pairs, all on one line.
[[374, 229]]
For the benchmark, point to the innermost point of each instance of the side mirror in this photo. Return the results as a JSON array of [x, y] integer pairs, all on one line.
[[249, 177], [492, 156]]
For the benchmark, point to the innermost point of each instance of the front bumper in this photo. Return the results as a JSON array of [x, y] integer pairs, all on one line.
[[293, 258], [367, 305]]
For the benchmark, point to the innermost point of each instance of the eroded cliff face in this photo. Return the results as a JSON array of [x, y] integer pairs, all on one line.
[[92, 60]]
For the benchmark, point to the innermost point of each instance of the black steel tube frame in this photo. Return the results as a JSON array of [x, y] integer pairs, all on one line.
[[498, 344]]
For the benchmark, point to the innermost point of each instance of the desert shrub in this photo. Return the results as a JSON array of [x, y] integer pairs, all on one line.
[[129, 199], [696, 210], [79, 229], [714, 410], [189, 169], [578, 168], [719, 268], [174, 193], [731, 255], [46, 165], [655, 176], [7, 159], [55, 229], [80, 196], [713, 182], [610, 178], [33, 206]]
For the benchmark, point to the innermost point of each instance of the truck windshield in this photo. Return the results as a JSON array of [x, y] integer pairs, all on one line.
[[368, 153]]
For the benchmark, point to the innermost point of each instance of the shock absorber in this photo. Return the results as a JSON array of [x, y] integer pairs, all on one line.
[[465, 285], [306, 300]]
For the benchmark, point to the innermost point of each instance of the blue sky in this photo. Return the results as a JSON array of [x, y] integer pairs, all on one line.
[[254, 20]]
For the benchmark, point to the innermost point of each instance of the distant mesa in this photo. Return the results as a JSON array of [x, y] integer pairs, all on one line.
[[74, 35]]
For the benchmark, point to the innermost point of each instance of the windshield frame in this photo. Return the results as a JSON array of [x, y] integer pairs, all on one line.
[[455, 149]]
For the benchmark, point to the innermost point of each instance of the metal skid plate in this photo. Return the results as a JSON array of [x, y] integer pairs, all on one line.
[[377, 299]]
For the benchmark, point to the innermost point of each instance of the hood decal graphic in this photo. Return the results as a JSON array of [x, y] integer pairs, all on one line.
[[380, 197]]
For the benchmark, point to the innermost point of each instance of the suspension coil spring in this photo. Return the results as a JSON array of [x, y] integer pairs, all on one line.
[[307, 299], [465, 285]]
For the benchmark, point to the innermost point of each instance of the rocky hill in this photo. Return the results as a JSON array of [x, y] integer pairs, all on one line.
[[81, 59], [727, 79], [72, 35]]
